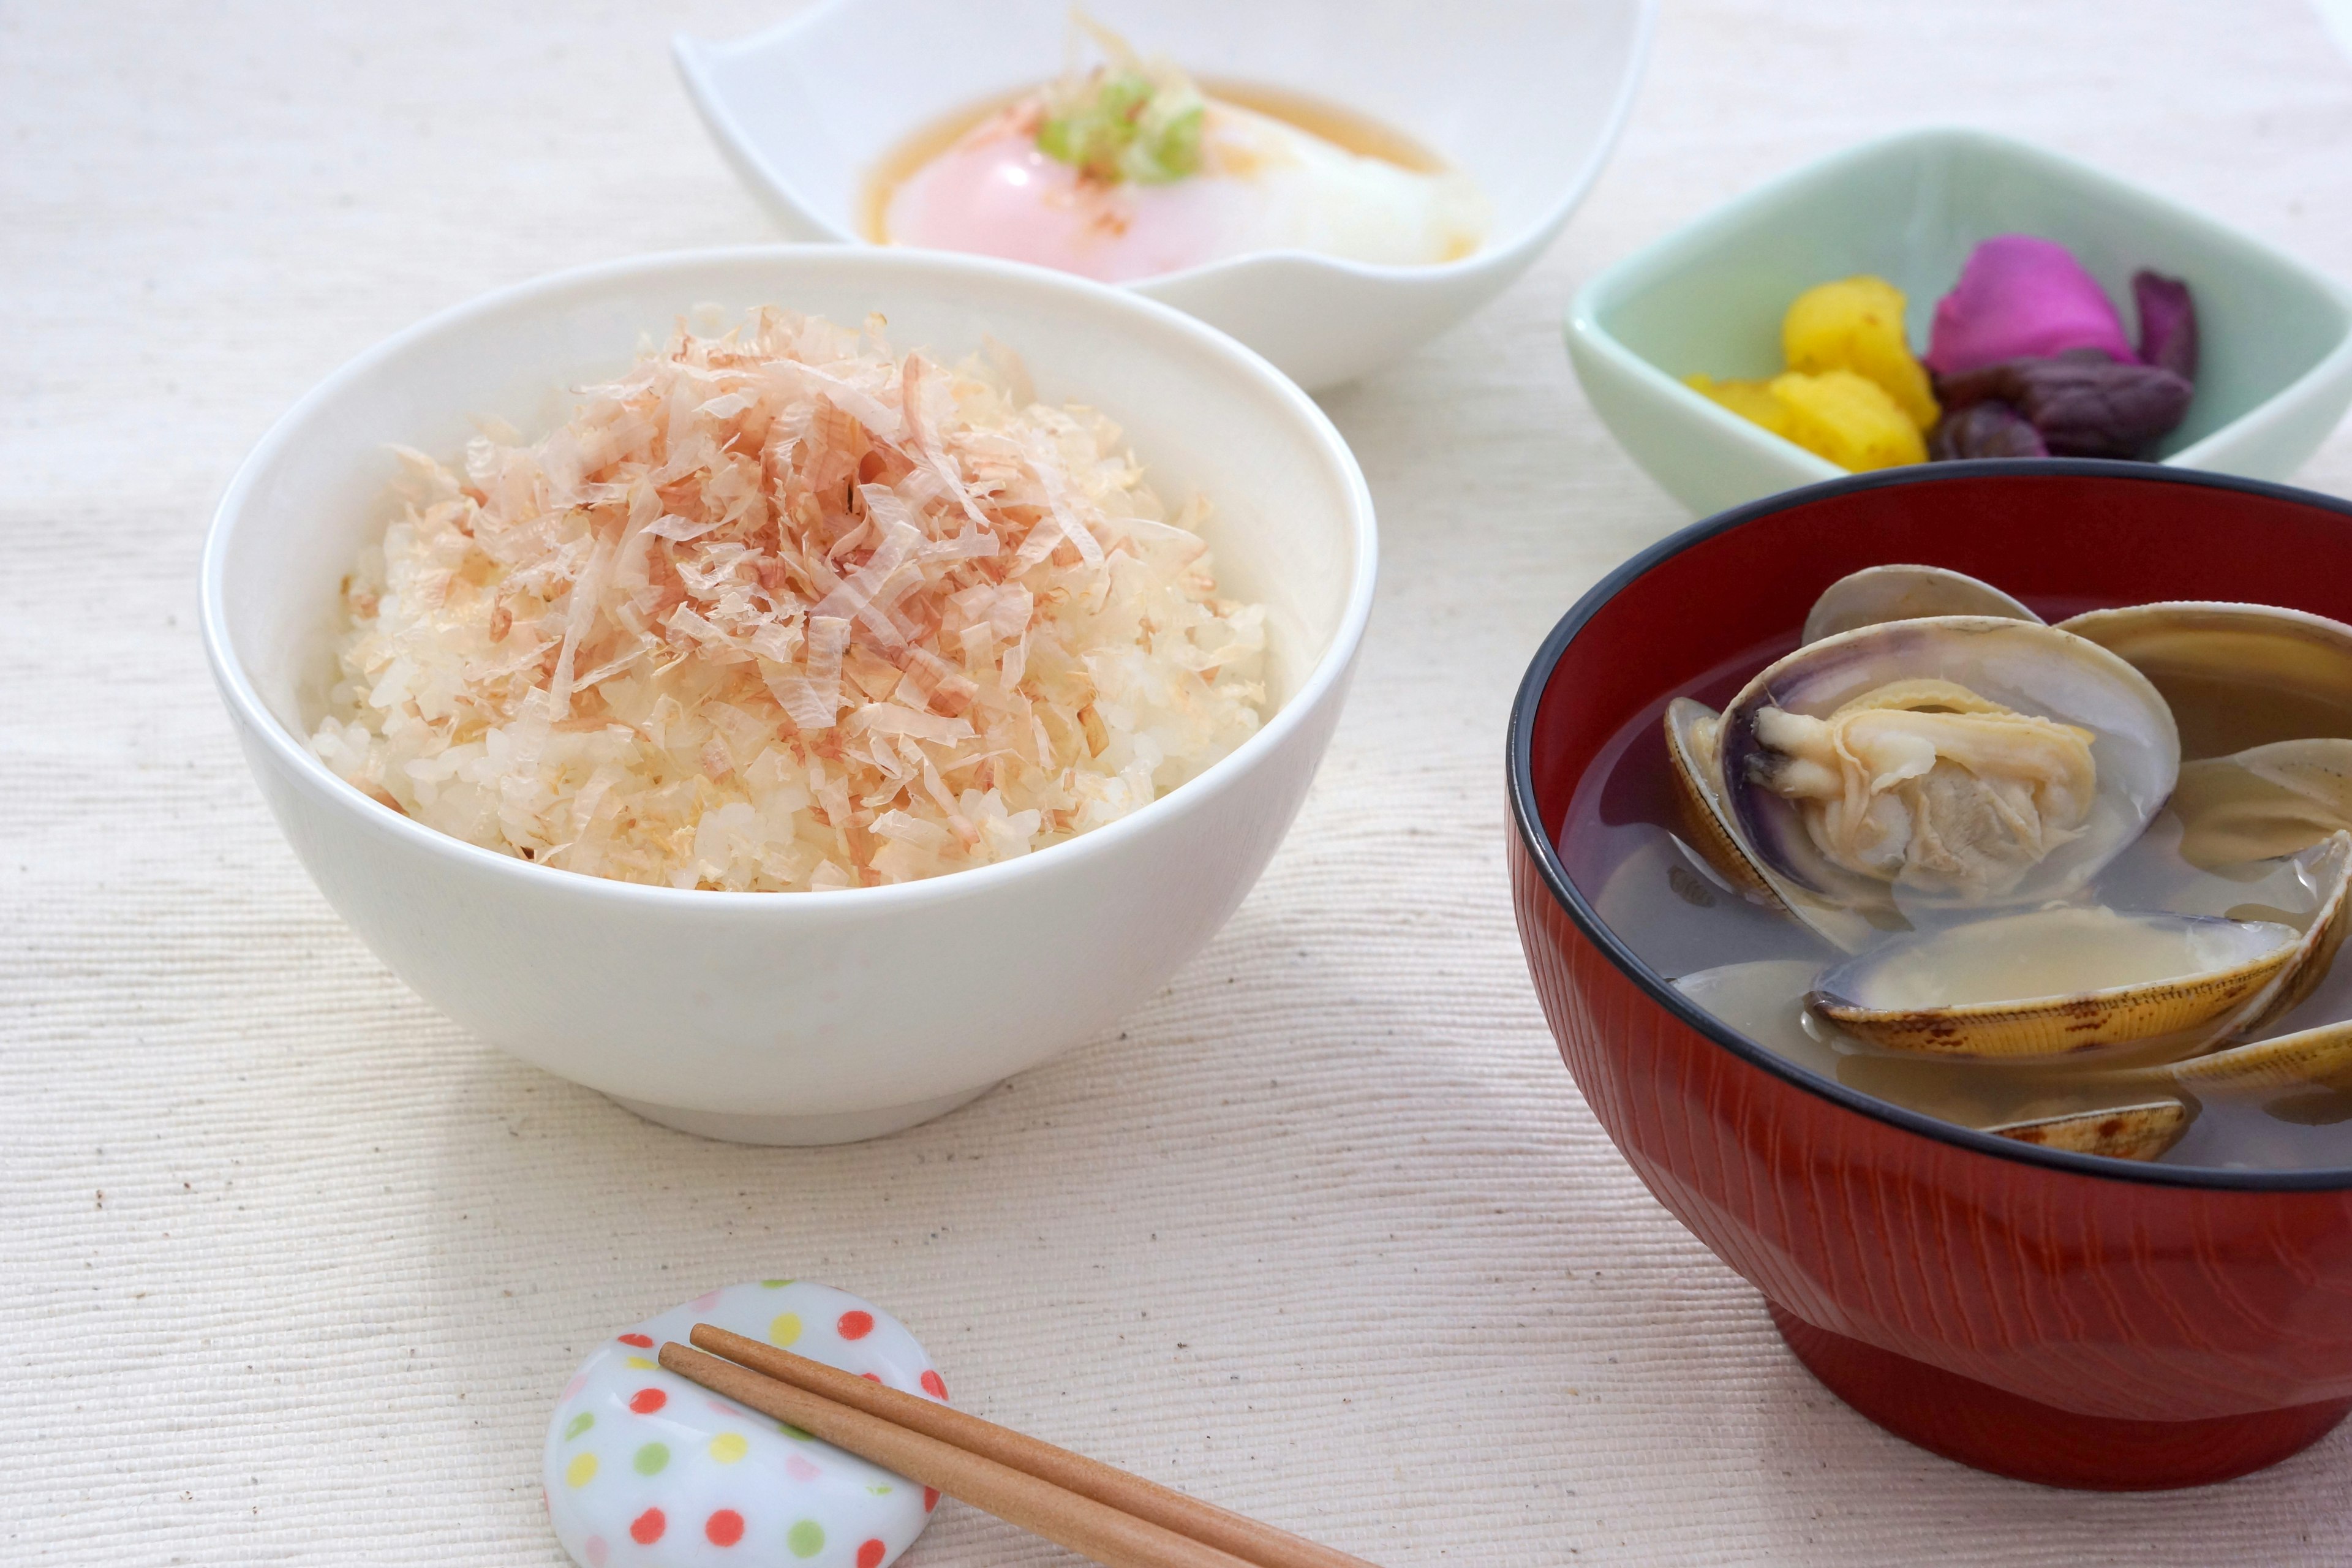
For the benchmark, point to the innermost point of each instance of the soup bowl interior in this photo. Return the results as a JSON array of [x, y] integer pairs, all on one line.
[[2059, 1317], [790, 1012], [1528, 102]]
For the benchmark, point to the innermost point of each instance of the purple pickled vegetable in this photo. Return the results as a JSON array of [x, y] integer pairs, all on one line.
[[2084, 405], [2167, 323], [1988, 429], [2022, 298]]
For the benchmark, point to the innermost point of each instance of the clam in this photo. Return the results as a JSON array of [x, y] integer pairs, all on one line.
[[1695, 765], [2068, 978], [2076, 1112], [2125, 1132], [1953, 761], [2326, 870], [2320, 1055], [2264, 802], [1691, 759], [1876, 595], [2054, 982], [2236, 676]]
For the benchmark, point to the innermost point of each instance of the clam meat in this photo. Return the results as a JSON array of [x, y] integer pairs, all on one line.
[[1961, 759]]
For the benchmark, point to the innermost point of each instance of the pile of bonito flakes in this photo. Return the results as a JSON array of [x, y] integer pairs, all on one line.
[[781, 610]]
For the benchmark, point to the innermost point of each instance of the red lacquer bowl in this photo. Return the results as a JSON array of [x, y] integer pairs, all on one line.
[[2059, 1318]]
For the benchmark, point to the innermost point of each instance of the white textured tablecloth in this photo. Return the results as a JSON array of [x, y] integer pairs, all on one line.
[[290, 1269]]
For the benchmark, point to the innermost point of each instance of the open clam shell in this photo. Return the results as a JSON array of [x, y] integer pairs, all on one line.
[[2326, 870], [2056, 981], [2093, 1114], [2125, 1132], [2012, 669], [1695, 760], [1691, 756], [2235, 675], [1876, 595], [2321, 1055], [2264, 802]]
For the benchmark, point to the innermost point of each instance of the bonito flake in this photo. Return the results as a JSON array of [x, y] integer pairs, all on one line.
[[780, 610]]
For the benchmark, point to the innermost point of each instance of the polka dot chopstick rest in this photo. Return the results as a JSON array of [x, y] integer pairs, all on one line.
[[646, 1470]]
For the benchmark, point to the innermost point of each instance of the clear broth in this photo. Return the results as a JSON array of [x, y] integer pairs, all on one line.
[[1621, 845]]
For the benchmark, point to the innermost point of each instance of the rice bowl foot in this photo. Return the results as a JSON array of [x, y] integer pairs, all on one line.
[[801, 1131]]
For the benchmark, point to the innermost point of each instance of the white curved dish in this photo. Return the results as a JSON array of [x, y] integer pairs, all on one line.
[[1529, 103], [795, 1017]]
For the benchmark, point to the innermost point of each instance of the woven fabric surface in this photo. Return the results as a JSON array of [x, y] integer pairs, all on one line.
[[294, 1270]]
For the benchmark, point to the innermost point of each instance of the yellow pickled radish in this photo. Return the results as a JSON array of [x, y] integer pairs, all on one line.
[[1752, 400], [1848, 419], [1856, 325]]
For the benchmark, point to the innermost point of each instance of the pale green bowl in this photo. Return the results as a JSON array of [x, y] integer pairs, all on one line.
[[2276, 337]]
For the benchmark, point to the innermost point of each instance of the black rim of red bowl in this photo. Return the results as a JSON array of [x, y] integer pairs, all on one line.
[[1528, 821]]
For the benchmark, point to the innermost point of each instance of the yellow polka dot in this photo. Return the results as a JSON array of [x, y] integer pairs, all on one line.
[[641, 1364], [581, 1471], [729, 1446], [785, 1328]]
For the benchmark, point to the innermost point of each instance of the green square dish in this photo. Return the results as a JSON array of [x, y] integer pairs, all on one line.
[[2276, 337]]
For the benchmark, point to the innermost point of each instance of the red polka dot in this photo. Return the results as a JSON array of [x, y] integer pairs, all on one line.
[[931, 1498], [869, 1555], [640, 1340], [871, 1377], [647, 1527], [725, 1528], [645, 1401], [935, 1385], [855, 1325]]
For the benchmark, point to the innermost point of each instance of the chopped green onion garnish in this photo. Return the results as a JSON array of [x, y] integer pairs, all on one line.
[[1123, 125]]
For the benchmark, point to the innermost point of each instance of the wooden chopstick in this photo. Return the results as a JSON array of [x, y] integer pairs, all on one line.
[[1115, 1518], [1261, 1545], [1094, 1529]]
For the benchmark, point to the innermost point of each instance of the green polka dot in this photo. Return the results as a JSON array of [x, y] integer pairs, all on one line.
[[651, 1458], [784, 1330], [789, 1430], [806, 1538], [879, 1491], [775, 1284], [579, 1423]]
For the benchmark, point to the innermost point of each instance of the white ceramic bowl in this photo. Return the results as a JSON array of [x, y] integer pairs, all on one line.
[[1527, 98], [795, 1017]]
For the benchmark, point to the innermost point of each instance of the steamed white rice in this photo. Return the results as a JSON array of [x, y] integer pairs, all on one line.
[[783, 610]]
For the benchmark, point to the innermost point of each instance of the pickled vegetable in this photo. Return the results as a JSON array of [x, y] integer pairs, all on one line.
[[2022, 297], [1848, 419], [1857, 324], [2085, 404], [1988, 429], [2168, 323], [1752, 400], [2027, 360]]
